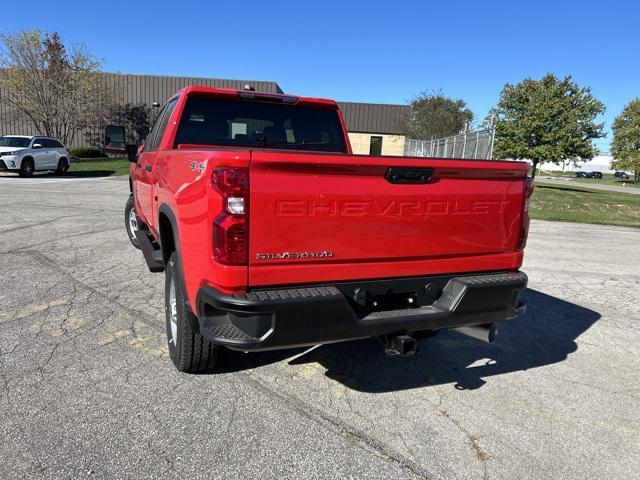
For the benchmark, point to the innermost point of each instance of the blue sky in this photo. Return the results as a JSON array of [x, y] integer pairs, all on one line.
[[361, 51]]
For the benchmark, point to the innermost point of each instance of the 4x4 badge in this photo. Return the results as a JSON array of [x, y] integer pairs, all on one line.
[[198, 167]]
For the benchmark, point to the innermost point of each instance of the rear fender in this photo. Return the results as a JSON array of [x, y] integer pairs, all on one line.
[[169, 238]]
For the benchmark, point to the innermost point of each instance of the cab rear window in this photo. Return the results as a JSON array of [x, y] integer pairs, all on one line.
[[243, 123]]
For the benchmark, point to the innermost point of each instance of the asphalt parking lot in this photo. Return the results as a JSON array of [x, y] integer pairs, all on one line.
[[87, 390]]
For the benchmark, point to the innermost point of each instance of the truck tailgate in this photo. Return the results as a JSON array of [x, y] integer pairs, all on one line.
[[321, 218]]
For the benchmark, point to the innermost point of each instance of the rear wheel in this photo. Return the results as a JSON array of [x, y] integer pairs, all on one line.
[[189, 351], [132, 222], [27, 167], [63, 166]]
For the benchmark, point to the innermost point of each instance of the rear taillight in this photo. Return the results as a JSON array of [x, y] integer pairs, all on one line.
[[524, 226], [230, 228]]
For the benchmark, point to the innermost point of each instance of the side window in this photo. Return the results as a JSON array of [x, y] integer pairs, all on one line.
[[149, 142], [160, 126], [50, 143], [39, 141], [57, 144]]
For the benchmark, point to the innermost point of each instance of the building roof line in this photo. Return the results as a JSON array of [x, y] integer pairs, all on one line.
[[195, 77], [402, 105]]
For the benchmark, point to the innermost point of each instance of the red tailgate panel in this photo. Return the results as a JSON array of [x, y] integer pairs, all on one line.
[[317, 218]]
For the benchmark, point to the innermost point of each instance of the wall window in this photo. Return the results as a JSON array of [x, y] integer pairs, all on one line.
[[375, 145]]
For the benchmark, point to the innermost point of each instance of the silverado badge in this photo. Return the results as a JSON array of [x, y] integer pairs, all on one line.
[[293, 255]]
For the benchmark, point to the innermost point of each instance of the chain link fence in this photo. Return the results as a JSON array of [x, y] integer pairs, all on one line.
[[470, 145]]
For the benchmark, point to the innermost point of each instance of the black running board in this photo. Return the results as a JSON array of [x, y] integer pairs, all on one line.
[[152, 254]]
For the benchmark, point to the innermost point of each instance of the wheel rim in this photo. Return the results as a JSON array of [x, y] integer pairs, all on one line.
[[133, 223], [173, 313], [28, 168]]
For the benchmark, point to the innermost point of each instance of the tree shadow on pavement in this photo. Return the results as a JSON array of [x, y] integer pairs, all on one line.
[[545, 335], [83, 173]]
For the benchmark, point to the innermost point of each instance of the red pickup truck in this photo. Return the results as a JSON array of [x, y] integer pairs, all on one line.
[[272, 234]]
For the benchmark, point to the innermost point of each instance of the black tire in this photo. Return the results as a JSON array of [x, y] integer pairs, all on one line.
[[189, 351], [63, 166], [27, 167], [129, 215]]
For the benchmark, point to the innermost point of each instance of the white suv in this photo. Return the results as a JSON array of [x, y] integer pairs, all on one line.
[[25, 154]]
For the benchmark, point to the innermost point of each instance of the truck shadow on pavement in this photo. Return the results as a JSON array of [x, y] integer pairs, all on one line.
[[545, 335]]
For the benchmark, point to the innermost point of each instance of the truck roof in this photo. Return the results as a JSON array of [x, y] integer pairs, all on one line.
[[284, 97]]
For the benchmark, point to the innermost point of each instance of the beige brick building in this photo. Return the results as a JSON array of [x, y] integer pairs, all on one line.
[[376, 129], [363, 143]]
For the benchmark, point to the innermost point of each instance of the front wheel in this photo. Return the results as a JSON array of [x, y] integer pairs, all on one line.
[[132, 222], [190, 352], [63, 166], [27, 167]]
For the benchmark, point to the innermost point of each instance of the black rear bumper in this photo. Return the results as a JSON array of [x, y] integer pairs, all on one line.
[[309, 315]]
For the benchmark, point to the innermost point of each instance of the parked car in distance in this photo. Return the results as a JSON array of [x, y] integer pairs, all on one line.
[[621, 175], [588, 174], [28, 154]]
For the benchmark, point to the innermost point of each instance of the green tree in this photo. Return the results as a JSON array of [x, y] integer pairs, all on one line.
[[625, 146], [57, 88], [547, 120], [135, 119], [433, 115]]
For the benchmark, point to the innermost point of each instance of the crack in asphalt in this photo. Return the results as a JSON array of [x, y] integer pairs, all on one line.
[[481, 455], [40, 224], [139, 315], [360, 439], [28, 248]]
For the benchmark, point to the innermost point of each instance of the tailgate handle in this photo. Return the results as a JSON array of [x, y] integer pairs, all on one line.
[[408, 175]]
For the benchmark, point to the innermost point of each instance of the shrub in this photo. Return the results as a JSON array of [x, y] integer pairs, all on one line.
[[86, 152]]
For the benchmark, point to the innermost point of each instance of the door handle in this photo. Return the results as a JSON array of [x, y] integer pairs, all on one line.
[[148, 168], [408, 175]]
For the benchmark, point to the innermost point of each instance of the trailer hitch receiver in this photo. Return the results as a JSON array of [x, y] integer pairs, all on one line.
[[400, 345]]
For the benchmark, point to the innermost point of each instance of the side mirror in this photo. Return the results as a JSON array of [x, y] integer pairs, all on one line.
[[132, 153], [37, 145], [114, 139]]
